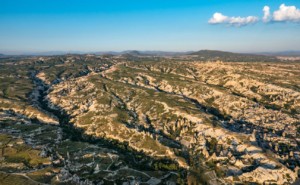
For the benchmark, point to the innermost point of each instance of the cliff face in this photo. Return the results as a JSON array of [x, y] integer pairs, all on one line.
[[185, 122]]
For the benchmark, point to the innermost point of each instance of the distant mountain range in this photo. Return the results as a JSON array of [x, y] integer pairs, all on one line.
[[171, 53], [144, 53], [201, 53], [282, 53], [206, 55]]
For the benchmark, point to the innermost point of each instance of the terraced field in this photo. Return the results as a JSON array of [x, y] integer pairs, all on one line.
[[148, 120]]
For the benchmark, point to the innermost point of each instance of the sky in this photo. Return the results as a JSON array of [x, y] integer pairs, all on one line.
[[167, 25]]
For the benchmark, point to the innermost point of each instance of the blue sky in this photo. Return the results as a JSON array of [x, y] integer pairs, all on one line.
[[116, 25]]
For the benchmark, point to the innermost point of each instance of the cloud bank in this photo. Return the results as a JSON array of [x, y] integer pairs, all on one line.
[[283, 14], [219, 18]]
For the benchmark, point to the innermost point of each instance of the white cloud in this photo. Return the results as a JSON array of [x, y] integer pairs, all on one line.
[[287, 14], [219, 18], [267, 14], [242, 21]]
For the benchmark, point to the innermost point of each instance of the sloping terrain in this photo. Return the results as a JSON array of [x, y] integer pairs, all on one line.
[[105, 119]]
